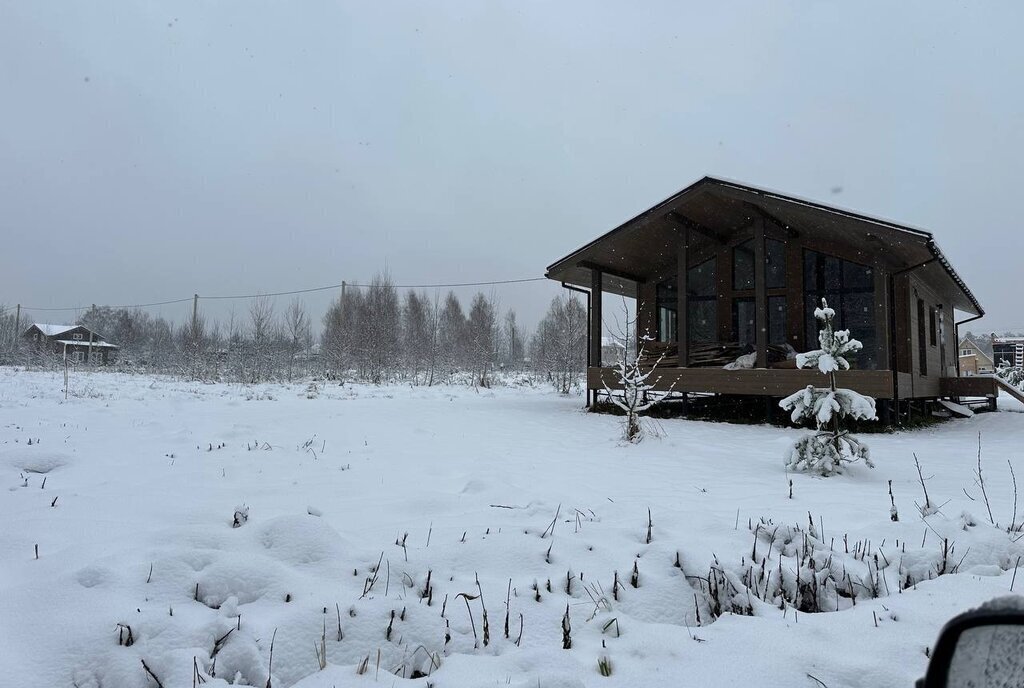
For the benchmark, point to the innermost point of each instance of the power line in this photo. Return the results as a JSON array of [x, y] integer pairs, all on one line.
[[396, 286], [299, 291], [136, 305]]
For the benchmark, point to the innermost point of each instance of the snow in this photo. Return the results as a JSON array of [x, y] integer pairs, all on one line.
[[51, 330], [85, 342], [742, 362], [460, 484]]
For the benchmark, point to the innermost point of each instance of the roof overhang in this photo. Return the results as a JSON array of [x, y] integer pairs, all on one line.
[[645, 247]]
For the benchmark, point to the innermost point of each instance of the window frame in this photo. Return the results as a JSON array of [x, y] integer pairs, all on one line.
[[922, 345], [868, 357]]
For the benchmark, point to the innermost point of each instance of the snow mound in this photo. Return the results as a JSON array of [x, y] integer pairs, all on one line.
[[35, 461], [301, 540], [93, 576], [245, 578]]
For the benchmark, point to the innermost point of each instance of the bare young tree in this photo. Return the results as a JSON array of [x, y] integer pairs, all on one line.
[[415, 335], [261, 335], [558, 348], [481, 331], [379, 329], [193, 343], [297, 331], [452, 327], [512, 342], [433, 340]]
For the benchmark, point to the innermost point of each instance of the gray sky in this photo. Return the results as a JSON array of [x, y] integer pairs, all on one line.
[[151, 149]]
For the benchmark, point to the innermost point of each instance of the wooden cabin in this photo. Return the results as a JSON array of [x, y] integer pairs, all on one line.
[[78, 343], [746, 268]]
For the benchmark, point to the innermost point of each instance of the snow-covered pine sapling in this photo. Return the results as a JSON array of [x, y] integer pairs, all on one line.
[[636, 390], [828, 449]]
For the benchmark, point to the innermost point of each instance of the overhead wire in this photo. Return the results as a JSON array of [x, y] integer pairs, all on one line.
[[450, 285]]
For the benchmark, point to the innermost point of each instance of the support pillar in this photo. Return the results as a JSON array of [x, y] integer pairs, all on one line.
[[760, 294], [596, 289], [682, 321]]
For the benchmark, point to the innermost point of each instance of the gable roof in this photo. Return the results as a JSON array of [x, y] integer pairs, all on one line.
[[53, 330], [985, 346], [638, 248], [968, 342]]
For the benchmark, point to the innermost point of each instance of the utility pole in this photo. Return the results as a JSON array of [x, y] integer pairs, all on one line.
[[195, 313], [91, 359], [17, 326]]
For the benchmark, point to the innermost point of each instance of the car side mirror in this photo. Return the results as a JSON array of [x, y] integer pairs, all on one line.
[[979, 649]]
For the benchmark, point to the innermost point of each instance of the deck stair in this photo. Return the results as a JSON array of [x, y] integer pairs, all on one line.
[[1009, 389]]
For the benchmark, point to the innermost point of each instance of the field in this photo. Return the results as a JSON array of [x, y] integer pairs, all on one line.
[[451, 536]]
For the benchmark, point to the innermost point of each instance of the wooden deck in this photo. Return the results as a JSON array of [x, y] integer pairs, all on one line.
[[755, 381], [976, 386], [979, 386]]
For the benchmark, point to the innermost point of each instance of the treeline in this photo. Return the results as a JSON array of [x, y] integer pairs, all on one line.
[[370, 334]]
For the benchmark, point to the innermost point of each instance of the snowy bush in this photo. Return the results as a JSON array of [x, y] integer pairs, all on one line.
[[636, 397], [826, 450], [1013, 375]]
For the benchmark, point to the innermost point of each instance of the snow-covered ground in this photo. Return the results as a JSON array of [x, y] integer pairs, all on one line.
[[509, 487]]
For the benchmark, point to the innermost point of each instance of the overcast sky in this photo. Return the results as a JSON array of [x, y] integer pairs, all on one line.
[[149, 150]]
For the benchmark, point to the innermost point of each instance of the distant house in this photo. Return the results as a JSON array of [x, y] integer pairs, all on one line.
[[1008, 349], [973, 359], [79, 343], [613, 351]]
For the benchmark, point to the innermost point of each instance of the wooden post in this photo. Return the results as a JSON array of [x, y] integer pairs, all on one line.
[[760, 294], [91, 361], [195, 314], [17, 326], [682, 311], [596, 287], [882, 300]]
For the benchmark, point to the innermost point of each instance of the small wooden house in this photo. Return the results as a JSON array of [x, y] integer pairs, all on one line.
[[78, 343], [726, 274]]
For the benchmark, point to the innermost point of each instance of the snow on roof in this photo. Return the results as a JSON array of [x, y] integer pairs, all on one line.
[[612, 341], [85, 342], [1008, 340], [53, 330]]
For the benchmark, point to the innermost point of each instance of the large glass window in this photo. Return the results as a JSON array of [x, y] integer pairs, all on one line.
[[702, 303], [744, 320], [668, 304], [850, 290], [743, 266], [775, 263], [922, 347], [777, 320]]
